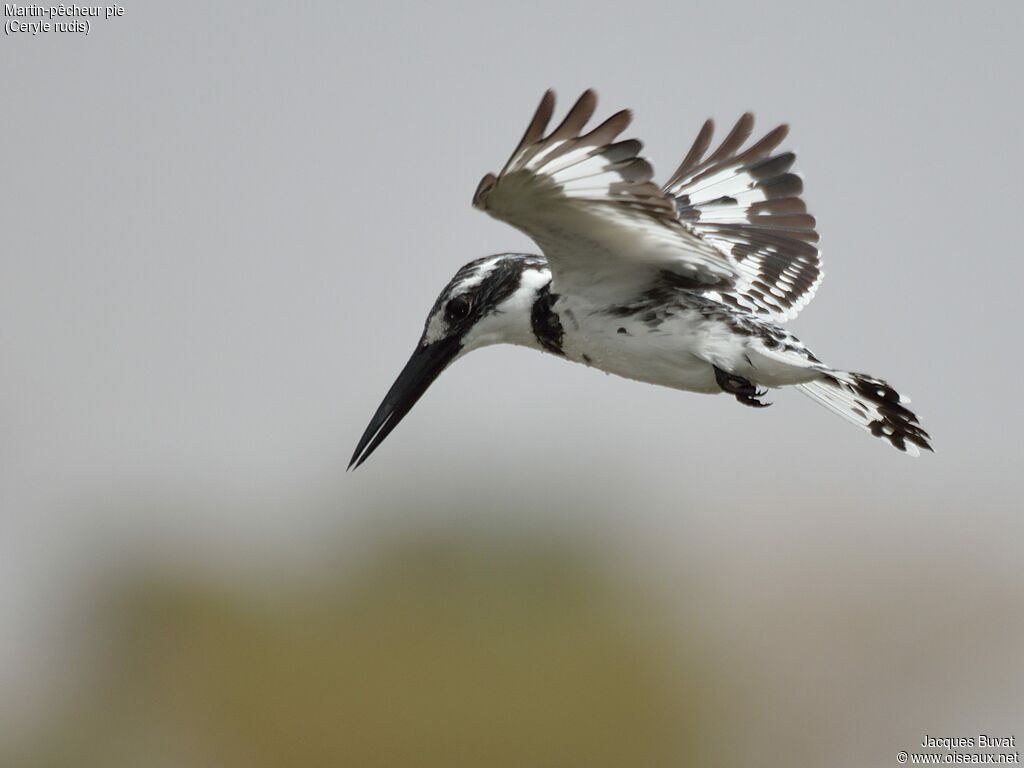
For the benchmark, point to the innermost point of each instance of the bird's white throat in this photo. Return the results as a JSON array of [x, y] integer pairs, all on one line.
[[510, 321]]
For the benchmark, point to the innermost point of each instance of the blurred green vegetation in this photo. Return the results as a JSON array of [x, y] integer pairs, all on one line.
[[437, 650]]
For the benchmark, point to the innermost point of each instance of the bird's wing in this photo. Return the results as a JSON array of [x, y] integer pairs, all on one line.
[[588, 201], [747, 203]]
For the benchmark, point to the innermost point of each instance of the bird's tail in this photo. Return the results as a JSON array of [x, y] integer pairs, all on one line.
[[871, 404]]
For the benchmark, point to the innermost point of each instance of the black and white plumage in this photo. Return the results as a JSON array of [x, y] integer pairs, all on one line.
[[683, 285]]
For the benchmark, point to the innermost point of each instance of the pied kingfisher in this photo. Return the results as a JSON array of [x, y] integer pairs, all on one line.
[[682, 285]]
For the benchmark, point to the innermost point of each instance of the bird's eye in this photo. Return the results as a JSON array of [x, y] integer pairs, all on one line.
[[456, 309]]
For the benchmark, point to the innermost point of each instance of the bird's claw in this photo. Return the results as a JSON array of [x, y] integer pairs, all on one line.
[[743, 389], [752, 400]]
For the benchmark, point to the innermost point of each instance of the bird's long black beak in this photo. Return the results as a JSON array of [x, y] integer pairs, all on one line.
[[419, 373]]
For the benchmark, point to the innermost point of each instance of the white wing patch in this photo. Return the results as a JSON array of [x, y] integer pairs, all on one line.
[[746, 203]]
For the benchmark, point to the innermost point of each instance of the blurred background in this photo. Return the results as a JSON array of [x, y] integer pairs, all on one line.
[[223, 227]]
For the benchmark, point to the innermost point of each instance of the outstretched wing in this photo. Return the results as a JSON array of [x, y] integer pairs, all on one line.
[[746, 203], [588, 201], [731, 226]]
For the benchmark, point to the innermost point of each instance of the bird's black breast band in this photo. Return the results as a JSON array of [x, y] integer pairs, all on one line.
[[545, 323]]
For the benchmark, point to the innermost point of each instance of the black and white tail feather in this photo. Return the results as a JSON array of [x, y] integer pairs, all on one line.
[[871, 404]]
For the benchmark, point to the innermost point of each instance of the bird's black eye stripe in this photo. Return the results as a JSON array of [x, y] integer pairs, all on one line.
[[456, 309]]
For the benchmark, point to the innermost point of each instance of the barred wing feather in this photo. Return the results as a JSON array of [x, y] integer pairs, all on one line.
[[730, 225], [746, 202]]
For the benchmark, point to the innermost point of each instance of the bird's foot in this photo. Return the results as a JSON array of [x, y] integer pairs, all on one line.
[[743, 389]]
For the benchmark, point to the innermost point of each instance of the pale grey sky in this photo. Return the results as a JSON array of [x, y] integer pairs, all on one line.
[[224, 225]]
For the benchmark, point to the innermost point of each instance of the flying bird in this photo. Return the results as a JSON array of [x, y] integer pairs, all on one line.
[[684, 285]]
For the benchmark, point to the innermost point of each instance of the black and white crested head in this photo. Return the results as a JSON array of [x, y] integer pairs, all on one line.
[[488, 301]]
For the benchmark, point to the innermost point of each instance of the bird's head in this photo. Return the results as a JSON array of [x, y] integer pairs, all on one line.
[[488, 301]]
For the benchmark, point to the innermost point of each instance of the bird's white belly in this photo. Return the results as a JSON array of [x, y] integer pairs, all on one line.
[[666, 354]]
